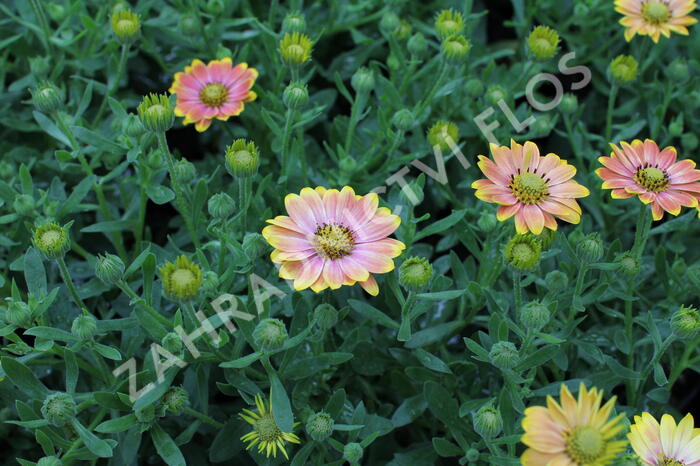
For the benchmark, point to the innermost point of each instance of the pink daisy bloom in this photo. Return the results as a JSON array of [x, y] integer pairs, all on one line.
[[333, 238], [665, 443], [216, 90], [654, 18], [532, 188], [641, 169]]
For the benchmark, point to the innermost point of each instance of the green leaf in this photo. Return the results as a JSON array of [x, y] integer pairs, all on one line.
[[108, 227], [72, 371], [373, 314], [50, 128], [538, 358], [160, 194], [432, 362], [96, 140], [434, 334], [445, 448], [34, 272], [281, 407], [227, 442], [108, 352], [441, 225], [441, 403], [335, 404], [50, 333], [23, 378], [96, 445], [119, 424], [166, 447], [242, 362], [441, 295], [76, 196]]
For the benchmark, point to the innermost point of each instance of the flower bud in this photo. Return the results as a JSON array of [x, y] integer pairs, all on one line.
[[404, 30], [242, 159], [488, 422], [474, 88], [679, 267], [18, 313], [175, 400], [415, 273], [172, 343], [403, 119], [504, 355], [685, 323], [363, 80], [455, 49], [270, 334], [47, 98], [210, 281], [487, 222], [678, 70], [7, 169], [319, 426], [188, 25], [628, 264], [495, 94], [154, 160], [49, 461], [221, 206], [295, 95], [393, 62], [39, 66], [57, 12], [590, 248], [546, 238], [417, 45], [443, 134], [535, 315], [84, 327], [623, 69], [58, 408], [254, 245], [215, 7], [389, 22], [675, 128], [689, 141], [556, 281], [295, 48], [133, 127], [543, 42], [146, 414], [223, 52], [181, 279], [449, 23], [109, 269], [523, 252], [542, 126], [185, 171], [24, 204], [352, 452], [126, 25], [294, 22], [52, 240], [156, 113], [326, 316], [472, 455], [568, 104], [581, 11]]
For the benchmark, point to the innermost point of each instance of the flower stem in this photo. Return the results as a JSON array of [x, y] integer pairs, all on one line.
[[203, 417], [121, 66], [124, 286], [517, 291], [405, 329], [649, 367], [68, 281], [642, 233], [223, 245], [611, 105], [243, 199], [577, 291], [285, 142]]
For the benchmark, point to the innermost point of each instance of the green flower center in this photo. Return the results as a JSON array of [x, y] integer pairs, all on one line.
[[213, 95], [156, 111], [529, 188], [585, 445], [51, 238], [666, 461], [656, 12], [523, 252], [295, 50], [652, 179], [416, 271], [333, 241], [267, 428], [183, 278], [243, 158]]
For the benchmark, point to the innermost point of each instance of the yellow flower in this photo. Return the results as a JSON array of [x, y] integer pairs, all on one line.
[[653, 18], [266, 434], [295, 48], [573, 432], [665, 444], [182, 279]]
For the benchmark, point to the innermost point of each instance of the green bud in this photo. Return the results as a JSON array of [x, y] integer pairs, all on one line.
[[49, 461], [254, 245], [58, 408], [210, 281], [487, 222], [393, 62], [629, 460], [404, 30], [488, 422], [326, 316], [270, 334], [52, 240], [24, 204], [403, 119], [126, 25], [175, 400], [352, 452], [523, 252], [679, 267], [542, 126], [449, 23], [154, 160], [156, 113], [495, 94], [172, 343], [504, 355], [590, 248], [568, 104], [39, 66], [185, 171], [223, 52], [18, 313], [295, 95], [133, 127], [56, 11], [84, 327], [7, 169], [47, 98], [628, 264], [242, 159], [556, 281], [188, 25], [443, 134], [319, 426], [472, 455], [417, 45], [689, 141], [389, 22], [415, 273], [474, 88], [109, 269], [363, 80], [623, 69], [581, 10], [221, 206], [535, 315], [678, 70], [294, 22], [685, 323], [543, 42], [146, 414], [675, 129], [215, 7], [455, 49]]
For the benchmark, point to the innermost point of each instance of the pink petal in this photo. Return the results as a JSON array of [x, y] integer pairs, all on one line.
[[308, 273], [533, 218]]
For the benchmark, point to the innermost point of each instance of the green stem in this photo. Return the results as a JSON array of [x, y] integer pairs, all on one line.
[[629, 329], [243, 199], [679, 367], [111, 89], [203, 417], [143, 203], [668, 92], [517, 292], [611, 105], [438, 82], [124, 286], [38, 8], [577, 291], [649, 367], [285, 142], [358, 106], [642, 233], [68, 281], [405, 329], [223, 245]]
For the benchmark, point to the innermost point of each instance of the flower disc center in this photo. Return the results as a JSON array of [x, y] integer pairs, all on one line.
[[183, 278], [267, 428], [529, 188], [656, 12], [652, 179], [213, 95], [585, 444], [333, 241], [51, 237], [666, 461]]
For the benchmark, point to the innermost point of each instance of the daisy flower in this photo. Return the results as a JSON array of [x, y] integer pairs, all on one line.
[[216, 90], [266, 434], [653, 18], [665, 444], [532, 188], [572, 432], [641, 169], [333, 238]]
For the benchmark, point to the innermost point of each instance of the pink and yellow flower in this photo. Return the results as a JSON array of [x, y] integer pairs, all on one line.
[[666, 443], [641, 169], [333, 238], [216, 90], [653, 18], [572, 432], [532, 188]]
